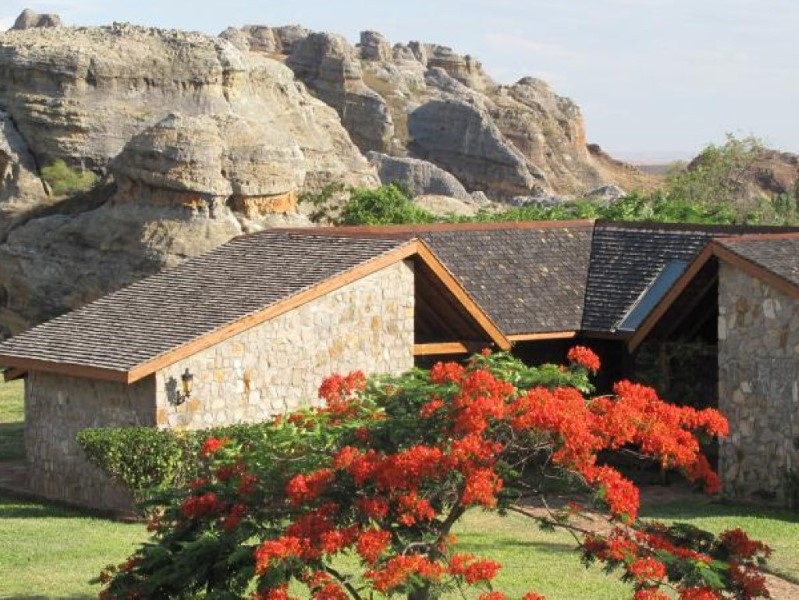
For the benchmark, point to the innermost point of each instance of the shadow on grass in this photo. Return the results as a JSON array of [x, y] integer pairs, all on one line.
[[489, 546], [676, 511], [15, 508]]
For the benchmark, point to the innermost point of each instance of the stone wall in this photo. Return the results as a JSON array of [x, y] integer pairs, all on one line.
[[57, 407], [278, 365], [758, 386]]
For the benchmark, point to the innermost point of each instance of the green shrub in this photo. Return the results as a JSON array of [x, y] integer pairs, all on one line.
[[64, 180], [163, 458], [386, 205]]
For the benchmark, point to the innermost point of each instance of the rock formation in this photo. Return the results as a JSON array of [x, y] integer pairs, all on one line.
[[419, 177], [29, 19], [426, 101]]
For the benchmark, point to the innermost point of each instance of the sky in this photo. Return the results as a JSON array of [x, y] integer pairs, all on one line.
[[655, 79]]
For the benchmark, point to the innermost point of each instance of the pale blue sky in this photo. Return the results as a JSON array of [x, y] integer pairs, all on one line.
[[652, 76]]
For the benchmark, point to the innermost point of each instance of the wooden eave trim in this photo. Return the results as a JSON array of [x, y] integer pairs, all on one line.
[[414, 230], [330, 285], [427, 256], [665, 303], [549, 335], [757, 271], [440, 348], [14, 374], [73, 370]]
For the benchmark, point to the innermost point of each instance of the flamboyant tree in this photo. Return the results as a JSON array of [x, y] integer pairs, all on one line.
[[384, 470]]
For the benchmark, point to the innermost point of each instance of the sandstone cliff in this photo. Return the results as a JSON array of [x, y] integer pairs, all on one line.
[[427, 102]]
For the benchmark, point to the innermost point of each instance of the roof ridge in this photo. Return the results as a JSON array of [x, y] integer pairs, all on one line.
[[758, 237]]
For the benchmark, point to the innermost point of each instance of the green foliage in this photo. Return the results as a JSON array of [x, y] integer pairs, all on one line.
[[386, 205], [164, 458], [64, 180]]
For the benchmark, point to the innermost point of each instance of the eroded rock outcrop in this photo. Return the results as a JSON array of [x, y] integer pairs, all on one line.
[[81, 93], [510, 140], [419, 177], [202, 141], [30, 19]]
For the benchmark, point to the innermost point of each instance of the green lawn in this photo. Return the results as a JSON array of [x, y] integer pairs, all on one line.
[[49, 552], [12, 415]]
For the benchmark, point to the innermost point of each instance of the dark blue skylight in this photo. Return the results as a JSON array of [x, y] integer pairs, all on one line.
[[652, 295]]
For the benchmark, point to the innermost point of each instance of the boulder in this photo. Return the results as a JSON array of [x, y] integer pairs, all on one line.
[[445, 206], [218, 155], [419, 177], [30, 19], [459, 136]]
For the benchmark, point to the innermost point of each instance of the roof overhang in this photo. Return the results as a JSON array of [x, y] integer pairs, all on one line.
[[413, 249], [723, 253]]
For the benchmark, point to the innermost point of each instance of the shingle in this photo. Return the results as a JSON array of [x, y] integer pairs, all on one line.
[[624, 261], [155, 315], [778, 255], [527, 280]]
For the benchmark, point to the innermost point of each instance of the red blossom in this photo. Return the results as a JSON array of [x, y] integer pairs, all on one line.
[[399, 568], [372, 543], [646, 569], [306, 488], [211, 446], [699, 593], [201, 506], [584, 357], [472, 568]]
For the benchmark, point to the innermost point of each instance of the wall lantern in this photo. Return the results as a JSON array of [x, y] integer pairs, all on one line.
[[187, 379]]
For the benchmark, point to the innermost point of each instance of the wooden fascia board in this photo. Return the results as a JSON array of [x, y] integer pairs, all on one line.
[[454, 286], [757, 271], [73, 370], [440, 348], [257, 318], [14, 374], [665, 303], [549, 335]]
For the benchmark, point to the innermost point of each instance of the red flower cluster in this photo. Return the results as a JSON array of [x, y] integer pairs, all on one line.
[[306, 488], [584, 357], [398, 569], [206, 505], [211, 446], [472, 568]]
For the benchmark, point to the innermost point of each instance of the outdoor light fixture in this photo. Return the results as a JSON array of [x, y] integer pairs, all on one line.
[[187, 379]]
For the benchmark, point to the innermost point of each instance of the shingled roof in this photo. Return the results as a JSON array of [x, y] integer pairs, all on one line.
[[778, 254], [529, 277], [530, 280], [137, 324]]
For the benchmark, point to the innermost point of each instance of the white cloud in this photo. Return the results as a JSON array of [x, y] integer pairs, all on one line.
[[6, 23]]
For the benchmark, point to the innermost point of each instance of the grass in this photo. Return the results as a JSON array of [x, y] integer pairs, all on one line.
[[778, 528], [50, 552], [12, 416]]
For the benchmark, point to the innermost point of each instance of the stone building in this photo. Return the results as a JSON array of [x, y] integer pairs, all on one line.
[[707, 314], [258, 323]]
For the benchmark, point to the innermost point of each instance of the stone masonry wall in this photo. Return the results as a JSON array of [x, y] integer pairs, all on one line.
[[57, 407], [758, 386], [278, 365]]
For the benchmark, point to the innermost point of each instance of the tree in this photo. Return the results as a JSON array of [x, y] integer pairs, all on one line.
[[389, 464]]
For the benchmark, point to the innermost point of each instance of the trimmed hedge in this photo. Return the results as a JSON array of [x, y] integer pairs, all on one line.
[[147, 460]]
